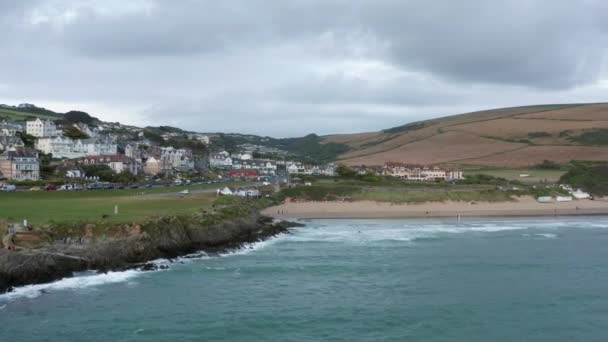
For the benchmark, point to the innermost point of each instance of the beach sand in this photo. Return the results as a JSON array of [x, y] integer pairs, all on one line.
[[523, 206]]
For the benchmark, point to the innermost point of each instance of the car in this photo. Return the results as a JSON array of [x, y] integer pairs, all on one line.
[[148, 186], [134, 186], [50, 187], [9, 188], [35, 188]]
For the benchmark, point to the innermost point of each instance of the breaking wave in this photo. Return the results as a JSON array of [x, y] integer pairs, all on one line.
[[79, 281], [91, 279]]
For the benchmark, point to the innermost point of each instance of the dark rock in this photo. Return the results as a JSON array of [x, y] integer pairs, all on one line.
[[166, 237], [149, 267]]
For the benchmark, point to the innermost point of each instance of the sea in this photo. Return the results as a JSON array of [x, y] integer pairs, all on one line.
[[498, 279]]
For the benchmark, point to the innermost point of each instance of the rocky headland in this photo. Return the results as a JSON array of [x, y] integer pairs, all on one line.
[[131, 246]]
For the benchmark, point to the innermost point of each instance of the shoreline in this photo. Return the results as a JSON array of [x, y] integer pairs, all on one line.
[[521, 207], [163, 238]]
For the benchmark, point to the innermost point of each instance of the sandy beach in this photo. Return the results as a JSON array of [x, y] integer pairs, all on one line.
[[524, 206]]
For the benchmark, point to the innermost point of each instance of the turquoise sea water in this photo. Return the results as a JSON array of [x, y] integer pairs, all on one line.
[[347, 280]]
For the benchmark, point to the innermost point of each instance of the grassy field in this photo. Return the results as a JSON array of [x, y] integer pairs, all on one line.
[[17, 115], [535, 175], [396, 191], [421, 196], [134, 205]]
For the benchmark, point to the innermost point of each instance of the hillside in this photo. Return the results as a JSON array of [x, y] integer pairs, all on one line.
[[510, 137], [309, 148], [519, 136]]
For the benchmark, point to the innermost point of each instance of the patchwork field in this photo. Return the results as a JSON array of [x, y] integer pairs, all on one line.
[[508, 137]]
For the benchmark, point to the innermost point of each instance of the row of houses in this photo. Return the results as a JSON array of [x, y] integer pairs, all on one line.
[[420, 172], [64, 147], [297, 168], [223, 160]]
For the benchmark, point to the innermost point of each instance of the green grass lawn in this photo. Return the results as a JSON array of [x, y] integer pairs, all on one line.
[[134, 205]]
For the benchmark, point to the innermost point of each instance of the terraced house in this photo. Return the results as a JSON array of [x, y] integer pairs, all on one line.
[[420, 172], [64, 147], [20, 165], [265, 167]]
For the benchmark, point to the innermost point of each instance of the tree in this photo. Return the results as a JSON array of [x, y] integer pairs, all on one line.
[[28, 140], [104, 172], [74, 133], [345, 171], [75, 116], [125, 177]]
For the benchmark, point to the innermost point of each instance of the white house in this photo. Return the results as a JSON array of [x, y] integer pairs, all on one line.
[[221, 159], [63, 147], [41, 128], [244, 156]]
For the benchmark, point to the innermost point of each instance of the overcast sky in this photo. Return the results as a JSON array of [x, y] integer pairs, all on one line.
[[288, 68]]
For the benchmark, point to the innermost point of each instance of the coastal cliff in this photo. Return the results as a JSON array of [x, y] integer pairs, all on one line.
[[162, 237]]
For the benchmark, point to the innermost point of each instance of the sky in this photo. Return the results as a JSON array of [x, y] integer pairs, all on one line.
[[293, 67]]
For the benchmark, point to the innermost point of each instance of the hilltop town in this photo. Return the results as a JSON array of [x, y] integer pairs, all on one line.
[[40, 147]]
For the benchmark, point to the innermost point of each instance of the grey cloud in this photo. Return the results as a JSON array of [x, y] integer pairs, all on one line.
[[286, 67], [543, 44]]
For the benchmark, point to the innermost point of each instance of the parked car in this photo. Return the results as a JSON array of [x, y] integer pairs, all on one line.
[[35, 188], [9, 188], [50, 187]]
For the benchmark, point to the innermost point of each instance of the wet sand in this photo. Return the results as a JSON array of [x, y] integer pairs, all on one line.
[[524, 206]]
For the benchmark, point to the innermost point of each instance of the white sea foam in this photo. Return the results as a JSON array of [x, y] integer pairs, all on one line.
[[547, 235], [90, 279], [365, 231], [253, 246], [81, 281]]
